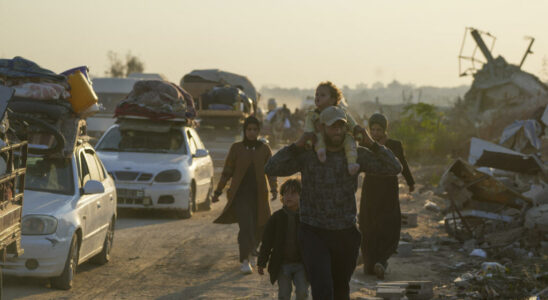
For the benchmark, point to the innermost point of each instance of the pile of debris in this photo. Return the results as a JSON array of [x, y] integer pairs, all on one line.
[[46, 108], [497, 206]]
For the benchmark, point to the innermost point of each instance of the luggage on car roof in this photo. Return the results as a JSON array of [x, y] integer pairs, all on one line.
[[157, 99], [225, 97]]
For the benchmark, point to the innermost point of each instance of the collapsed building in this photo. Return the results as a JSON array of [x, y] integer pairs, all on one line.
[[501, 89], [497, 198]]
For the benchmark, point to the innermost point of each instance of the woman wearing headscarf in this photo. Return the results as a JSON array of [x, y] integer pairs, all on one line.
[[247, 195], [380, 215]]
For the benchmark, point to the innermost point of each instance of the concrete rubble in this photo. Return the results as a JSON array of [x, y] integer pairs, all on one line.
[[497, 207], [497, 199]]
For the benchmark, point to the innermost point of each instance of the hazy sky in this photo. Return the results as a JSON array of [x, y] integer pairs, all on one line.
[[278, 42]]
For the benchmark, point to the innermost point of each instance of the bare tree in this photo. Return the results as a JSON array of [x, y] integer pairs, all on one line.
[[134, 64], [118, 68]]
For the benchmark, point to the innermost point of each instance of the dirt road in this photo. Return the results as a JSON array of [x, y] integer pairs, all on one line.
[[157, 256]]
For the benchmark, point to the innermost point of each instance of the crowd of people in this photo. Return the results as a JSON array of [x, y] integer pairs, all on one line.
[[314, 241]]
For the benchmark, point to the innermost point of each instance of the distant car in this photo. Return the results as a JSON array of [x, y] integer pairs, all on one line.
[[69, 213], [159, 166]]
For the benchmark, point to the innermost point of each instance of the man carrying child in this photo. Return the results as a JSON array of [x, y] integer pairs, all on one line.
[[327, 233]]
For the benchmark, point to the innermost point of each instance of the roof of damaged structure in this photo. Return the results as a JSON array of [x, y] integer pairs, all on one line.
[[501, 89]]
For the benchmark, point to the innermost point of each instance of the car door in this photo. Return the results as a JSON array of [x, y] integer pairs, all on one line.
[[207, 161], [110, 191], [92, 239], [106, 204], [201, 170]]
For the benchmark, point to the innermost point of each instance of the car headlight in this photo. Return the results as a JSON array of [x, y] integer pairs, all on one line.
[[168, 176], [38, 225]]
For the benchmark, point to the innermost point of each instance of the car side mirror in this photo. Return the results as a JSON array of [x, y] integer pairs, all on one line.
[[201, 153], [93, 187]]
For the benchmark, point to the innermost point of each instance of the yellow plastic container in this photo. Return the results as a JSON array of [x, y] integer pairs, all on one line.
[[82, 95]]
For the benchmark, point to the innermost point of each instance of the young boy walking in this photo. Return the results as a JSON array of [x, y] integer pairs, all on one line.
[[279, 247]]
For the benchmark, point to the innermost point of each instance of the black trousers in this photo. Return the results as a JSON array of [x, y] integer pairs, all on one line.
[[249, 235], [329, 257]]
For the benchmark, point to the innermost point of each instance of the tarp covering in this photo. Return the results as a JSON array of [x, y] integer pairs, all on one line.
[[19, 67], [222, 77]]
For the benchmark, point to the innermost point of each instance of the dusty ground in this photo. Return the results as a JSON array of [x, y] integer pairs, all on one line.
[[156, 256]]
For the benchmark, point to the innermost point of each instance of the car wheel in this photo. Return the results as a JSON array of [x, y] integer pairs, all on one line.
[[187, 214], [65, 280], [104, 256]]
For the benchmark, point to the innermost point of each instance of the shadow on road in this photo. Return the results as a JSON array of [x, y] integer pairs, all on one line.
[[26, 286], [130, 218]]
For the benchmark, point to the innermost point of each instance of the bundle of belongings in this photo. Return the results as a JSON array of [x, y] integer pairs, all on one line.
[[157, 100], [46, 108], [226, 98]]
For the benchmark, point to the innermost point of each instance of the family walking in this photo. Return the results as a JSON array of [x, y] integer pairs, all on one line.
[[314, 239]]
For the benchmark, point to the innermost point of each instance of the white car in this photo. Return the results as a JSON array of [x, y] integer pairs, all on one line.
[[69, 212], [165, 166]]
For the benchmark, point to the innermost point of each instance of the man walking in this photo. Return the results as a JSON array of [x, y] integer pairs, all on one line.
[[328, 236]]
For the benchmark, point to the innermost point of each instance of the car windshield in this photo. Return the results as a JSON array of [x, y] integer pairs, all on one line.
[[49, 174], [143, 141]]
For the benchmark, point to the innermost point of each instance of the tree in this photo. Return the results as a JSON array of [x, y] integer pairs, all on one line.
[[133, 64], [118, 68]]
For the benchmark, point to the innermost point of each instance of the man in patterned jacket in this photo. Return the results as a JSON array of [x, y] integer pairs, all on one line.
[[328, 235]]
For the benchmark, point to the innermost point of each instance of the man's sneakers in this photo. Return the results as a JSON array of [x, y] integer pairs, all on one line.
[[379, 270], [246, 268]]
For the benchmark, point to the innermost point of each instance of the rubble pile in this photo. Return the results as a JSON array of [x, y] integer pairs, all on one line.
[[497, 208], [46, 108]]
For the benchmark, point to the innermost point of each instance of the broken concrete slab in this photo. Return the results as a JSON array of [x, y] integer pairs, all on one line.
[[522, 135], [390, 293], [482, 186], [414, 290], [487, 154], [478, 146]]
